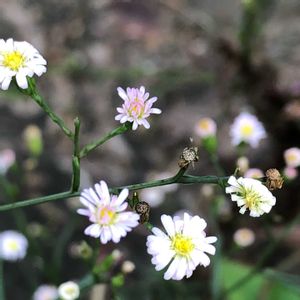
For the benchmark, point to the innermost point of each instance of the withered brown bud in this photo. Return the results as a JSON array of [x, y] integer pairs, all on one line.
[[274, 179], [189, 155], [143, 209]]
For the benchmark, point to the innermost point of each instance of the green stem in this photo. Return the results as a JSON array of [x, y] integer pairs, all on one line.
[[178, 178], [96, 143], [34, 94], [2, 290], [76, 159], [38, 200], [265, 255]]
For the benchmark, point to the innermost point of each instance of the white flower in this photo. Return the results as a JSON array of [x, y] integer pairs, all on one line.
[[7, 159], [128, 267], [45, 292], [182, 248], [107, 213], [252, 194], [19, 59], [254, 173], [69, 290], [206, 127], [136, 107], [246, 128], [244, 237], [292, 157], [242, 163], [13, 245]]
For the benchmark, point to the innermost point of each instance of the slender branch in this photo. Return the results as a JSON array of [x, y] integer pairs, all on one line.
[[96, 143], [178, 178], [38, 200], [76, 159], [34, 94]]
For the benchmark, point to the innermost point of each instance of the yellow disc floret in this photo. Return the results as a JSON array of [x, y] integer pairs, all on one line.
[[182, 245], [106, 216], [12, 245], [247, 130], [13, 60]]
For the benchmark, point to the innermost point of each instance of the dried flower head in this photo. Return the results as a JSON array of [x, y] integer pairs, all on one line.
[[274, 179], [189, 155], [143, 209]]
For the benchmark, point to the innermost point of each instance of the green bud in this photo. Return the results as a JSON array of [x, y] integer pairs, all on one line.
[[33, 140], [117, 280]]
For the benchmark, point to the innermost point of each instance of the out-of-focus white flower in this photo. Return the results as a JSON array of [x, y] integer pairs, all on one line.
[[206, 127], [290, 173], [153, 196], [13, 245], [244, 237], [45, 292], [292, 157], [7, 159], [107, 213], [254, 173], [69, 290], [128, 267], [19, 59], [182, 248], [136, 107], [246, 128], [116, 254], [252, 194], [243, 164]]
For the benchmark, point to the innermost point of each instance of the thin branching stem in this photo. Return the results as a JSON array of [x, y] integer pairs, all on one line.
[[178, 178]]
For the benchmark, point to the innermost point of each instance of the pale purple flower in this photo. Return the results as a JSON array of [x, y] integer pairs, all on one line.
[[107, 213], [136, 108], [7, 159]]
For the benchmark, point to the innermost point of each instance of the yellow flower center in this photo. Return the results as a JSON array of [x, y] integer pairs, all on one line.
[[13, 60], [247, 130], [12, 245], [182, 245], [252, 199], [204, 124], [291, 157], [106, 216]]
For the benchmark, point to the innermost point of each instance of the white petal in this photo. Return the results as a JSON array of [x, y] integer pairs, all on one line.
[[168, 224]]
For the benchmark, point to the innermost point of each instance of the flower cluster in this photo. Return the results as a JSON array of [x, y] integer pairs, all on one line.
[[19, 60], [136, 108], [107, 213], [183, 247], [250, 194]]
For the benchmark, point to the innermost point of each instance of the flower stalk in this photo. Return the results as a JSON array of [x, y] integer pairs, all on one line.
[[96, 143]]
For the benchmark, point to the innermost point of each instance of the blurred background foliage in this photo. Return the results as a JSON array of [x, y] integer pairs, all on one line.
[[201, 58]]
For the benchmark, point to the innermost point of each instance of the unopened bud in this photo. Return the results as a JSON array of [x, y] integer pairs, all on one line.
[[128, 267]]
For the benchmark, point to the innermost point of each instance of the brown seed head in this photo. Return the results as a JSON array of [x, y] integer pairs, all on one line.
[[274, 179]]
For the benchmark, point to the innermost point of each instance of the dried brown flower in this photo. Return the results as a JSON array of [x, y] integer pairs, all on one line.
[[274, 179]]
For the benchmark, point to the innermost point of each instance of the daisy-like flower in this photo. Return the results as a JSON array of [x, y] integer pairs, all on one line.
[[13, 245], [107, 213], [136, 108], [292, 157], [69, 290], [182, 248], [254, 173], [19, 59], [206, 127], [252, 194], [45, 292], [246, 128]]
